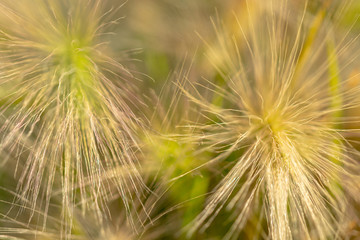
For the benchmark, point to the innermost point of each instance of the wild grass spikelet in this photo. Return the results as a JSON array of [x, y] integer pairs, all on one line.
[[70, 99], [282, 113]]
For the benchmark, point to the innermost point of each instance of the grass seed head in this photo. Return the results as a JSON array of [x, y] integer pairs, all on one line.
[[71, 99], [283, 103]]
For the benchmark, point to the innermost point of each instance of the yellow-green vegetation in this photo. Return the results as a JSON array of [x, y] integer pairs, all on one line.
[[207, 119]]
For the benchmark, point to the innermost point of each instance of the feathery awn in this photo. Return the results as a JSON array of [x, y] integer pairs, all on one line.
[[283, 107]]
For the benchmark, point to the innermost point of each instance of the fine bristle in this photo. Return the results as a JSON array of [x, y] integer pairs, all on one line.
[[68, 109], [284, 106]]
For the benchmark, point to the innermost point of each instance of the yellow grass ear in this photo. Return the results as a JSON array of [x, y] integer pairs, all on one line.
[[283, 104], [70, 102]]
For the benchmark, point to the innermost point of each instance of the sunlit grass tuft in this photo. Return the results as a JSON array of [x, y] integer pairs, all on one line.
[[282, 108], [69, 101]]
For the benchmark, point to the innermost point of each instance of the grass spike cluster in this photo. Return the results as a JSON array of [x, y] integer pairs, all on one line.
[[71, 99], [295, 156], [244, 125]]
